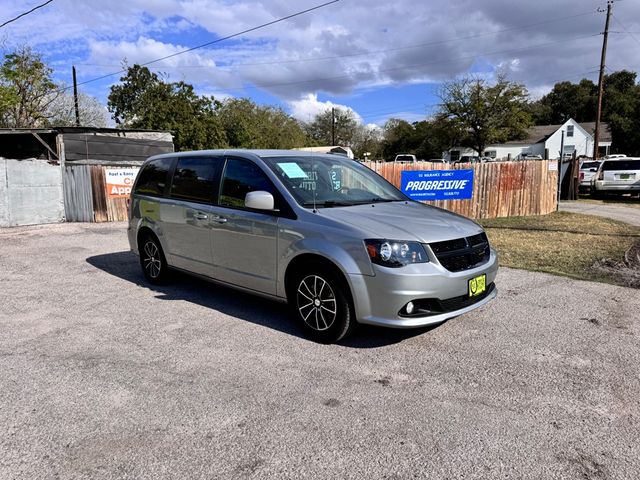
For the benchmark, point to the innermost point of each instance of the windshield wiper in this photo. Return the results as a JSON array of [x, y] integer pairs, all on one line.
[[328, 204]]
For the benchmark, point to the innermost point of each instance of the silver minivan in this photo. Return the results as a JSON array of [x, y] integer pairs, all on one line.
[[324, 233]]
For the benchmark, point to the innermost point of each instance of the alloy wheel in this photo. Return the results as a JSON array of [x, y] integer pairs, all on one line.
[[151, 260], [316, 303]]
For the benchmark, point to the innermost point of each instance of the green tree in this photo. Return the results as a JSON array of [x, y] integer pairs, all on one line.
[[367, 139], [345, 127], [248, 125], [144, 100], [485, 113], [398, 137], [566, 100], [434, 136], [621, 110], [26, 89]]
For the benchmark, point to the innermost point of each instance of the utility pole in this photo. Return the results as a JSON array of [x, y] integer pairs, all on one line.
[[333, 126], [75, 96], [596, 136], [560, 171]]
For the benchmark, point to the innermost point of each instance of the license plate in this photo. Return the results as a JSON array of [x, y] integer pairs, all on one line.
[[477, 285]]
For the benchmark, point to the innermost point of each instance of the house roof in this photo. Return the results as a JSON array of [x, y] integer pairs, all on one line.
[[540, 133]]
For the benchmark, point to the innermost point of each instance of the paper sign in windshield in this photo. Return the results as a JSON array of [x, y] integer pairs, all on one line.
[[292, 170], [437, 184]]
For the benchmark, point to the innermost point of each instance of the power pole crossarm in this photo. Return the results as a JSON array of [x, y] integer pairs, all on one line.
[[596, 134]]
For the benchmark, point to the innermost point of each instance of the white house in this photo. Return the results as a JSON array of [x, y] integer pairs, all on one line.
[[544, 140]]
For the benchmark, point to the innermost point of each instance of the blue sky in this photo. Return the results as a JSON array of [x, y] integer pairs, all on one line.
[[381, 59]]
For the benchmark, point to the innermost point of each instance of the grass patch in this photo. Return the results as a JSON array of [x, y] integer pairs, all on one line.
[[562, 243]]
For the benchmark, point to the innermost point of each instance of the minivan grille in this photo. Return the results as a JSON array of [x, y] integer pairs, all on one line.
[[462, 253]]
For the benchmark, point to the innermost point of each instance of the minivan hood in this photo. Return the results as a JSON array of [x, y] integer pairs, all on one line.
[[404, 221]]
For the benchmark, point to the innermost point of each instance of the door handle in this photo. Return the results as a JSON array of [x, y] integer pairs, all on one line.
[[219, 219], [201, 216]]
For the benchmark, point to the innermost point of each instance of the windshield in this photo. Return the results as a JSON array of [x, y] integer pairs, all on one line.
[[331, 182]]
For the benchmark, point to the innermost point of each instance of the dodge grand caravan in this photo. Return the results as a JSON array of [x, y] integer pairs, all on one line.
[[327, 235]]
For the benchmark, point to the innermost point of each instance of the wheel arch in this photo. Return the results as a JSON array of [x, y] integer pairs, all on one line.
[[297, 265]]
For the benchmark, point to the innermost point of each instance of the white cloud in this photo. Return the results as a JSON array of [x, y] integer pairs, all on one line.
[[306, 108], [336, 49]]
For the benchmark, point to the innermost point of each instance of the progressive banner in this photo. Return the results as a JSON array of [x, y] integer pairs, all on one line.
[[437, 184]]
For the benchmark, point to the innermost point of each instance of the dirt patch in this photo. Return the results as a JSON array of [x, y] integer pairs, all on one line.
[[627, 271]]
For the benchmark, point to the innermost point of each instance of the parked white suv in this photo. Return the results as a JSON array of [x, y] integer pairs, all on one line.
[[617, 176]]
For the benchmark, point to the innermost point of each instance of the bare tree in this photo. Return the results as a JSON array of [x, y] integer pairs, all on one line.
[[61, 111]]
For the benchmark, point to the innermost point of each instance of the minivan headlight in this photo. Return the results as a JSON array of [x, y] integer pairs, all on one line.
[[395, 253]]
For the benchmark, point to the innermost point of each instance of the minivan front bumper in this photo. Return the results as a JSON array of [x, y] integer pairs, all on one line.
[[379, 299]]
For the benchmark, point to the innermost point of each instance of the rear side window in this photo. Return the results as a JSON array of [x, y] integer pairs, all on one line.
[[153, 177], [241, 177], [193, 179], [590, 165], [609, 165]]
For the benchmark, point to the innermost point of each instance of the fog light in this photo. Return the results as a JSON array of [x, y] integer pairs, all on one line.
[[409, 308]]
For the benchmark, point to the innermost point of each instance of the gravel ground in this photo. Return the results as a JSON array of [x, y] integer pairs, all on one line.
[[105, 377], [620, 212]]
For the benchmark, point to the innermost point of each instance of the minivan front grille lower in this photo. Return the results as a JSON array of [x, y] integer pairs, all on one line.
[[462, 253], [425, 307]]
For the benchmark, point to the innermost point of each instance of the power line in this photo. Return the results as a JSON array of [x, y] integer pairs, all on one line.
[[404, 67], [383, 110], [375, 52], [26, 13], [248, 30], [625, 29]]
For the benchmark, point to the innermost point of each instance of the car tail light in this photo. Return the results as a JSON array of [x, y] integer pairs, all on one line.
[[581, 176]]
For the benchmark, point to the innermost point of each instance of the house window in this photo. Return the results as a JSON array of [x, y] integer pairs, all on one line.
[[569, 130], [490, 153]]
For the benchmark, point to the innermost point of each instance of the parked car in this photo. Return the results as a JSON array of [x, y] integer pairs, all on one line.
[[468, 159], [617, 176], [588, 169], [405, 157], [326, 234]]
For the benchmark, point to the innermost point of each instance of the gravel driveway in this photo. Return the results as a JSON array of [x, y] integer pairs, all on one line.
[[629, 215], [105, 377]]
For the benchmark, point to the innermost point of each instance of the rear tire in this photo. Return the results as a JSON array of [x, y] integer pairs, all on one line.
[[152, 260], [321, 302]]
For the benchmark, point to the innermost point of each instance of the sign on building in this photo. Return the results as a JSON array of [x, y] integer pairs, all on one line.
[[120, 181], [437, 184]]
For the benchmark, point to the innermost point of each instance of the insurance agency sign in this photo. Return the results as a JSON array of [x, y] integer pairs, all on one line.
[[437, 184]]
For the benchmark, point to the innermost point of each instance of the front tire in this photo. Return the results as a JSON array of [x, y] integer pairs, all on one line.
[[322, 304], [152, 260]]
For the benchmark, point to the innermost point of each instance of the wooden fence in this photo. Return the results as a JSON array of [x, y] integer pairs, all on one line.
[[500, 189], [85, 195]]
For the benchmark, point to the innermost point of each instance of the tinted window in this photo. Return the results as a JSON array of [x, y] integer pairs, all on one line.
[[240, 178], [193, 179], [621, 165], [587, 165], [153, 177]]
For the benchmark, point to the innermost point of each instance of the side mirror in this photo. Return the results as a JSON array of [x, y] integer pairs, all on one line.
[[259, 200]]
